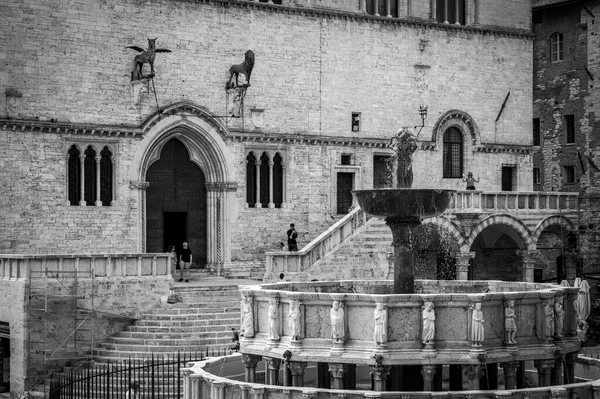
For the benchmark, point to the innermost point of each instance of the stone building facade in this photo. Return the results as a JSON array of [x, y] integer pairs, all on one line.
[[93, 161]]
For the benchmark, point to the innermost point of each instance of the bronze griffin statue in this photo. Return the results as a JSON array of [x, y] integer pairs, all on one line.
[[245, 68], [145, 56]]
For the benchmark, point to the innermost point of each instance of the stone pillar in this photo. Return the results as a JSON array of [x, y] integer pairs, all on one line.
[[98, 158], [250, 361], [544, 368], [287, 374], [428, 373], [82, 178], [528, 260], [337, 374], [569, 375], [323, 380], [380, 374], [455, 377], [462, 265], [257, 164], [219, 390], [510, 374], [472, 372], [273, 365], [557, 371], [433, 5], [404, 257], [271, 203], [297, 369], [377, 6]]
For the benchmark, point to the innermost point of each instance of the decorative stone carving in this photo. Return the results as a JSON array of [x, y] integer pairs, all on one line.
[[428, 372], [256, 116], [139, 185], [549, 319], [13, 101], [273, 315], [381, 323], [247, 327], [559, 317], [338, 330], [510, 322], [295, 321], [477, 331], [428, 324]]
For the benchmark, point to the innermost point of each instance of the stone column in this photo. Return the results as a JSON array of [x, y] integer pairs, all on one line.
[[337, 373], [98, 158], [273, 365], [433, 5], [287, 374], [380, 374], [297, 369], [271, 203], [404, 257], [82, 179], [472, 372], [220, 390], [376, 5], [258, 203], [510, 374], [462, 265], [557, 371], [428, 373], [250, 361], [544, 368], [528, 259]]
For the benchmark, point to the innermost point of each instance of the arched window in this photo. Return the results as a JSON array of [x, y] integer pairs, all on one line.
[[380, 7], [89, 174], [74, 176], [556, 47], [251, 180], [453, 153], [106, 173], [264, 180], [277, 180], [450, 11]]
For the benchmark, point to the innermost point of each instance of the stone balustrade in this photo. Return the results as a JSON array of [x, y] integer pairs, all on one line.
[[296, 262], [539, 201], [270, 309], [16, 267], [202, 380]]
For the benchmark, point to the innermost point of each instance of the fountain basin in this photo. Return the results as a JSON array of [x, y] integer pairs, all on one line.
[[403, 203]]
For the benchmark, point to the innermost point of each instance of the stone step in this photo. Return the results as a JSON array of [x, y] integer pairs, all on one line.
[[199, 306], [230, 320], [168, 341], [143, 332], [168, 314], [191, 345], [118, 357]]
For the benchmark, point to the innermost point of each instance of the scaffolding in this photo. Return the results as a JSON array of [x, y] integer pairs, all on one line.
[[61, 319]]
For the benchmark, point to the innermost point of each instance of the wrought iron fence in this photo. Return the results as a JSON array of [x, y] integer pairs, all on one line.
[[157, 377]]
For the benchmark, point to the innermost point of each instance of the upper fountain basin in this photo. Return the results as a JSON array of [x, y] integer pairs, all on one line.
[[403, 203]]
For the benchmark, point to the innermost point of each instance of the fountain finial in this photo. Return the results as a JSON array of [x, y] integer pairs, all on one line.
[[404, 143]]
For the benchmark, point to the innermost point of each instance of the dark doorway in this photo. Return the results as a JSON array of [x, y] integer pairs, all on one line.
[[175, 229], [176, 203], [344, 192], [507, 178], [4, 357], [382, 171]]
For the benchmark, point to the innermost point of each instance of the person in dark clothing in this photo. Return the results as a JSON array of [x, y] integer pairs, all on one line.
[[185, 261], [292, 234]]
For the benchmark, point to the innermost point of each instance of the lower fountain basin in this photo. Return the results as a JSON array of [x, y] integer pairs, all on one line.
[[403, 203]]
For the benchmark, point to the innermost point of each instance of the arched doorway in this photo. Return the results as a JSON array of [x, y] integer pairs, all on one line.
[[496, 256], [176, 203]]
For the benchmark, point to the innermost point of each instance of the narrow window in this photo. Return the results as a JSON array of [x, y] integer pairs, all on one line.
[[346, 159], [355, 122], [450, 11], [536, 132], [453, 153], [251, 180], [370, 4], [568, 174], [569, 129], [556, 47], [277, 180], [264, 180], [74, 176], [89, 173], [106, 177], [536, 176]]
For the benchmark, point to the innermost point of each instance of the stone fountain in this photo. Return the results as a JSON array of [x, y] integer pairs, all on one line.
[[403, 208]]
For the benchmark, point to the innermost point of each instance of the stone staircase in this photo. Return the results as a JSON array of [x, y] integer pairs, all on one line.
[[201, 321], [363, 255]]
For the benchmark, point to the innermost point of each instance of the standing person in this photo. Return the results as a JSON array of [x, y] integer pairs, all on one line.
[[174, 260], [470, 181], [134, 391], [185, 261], [292, 234]]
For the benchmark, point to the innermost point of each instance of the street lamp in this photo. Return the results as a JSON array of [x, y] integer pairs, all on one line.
[[423, 115]]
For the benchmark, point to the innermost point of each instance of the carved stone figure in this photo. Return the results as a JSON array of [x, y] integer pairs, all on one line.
[[549, 320], [245, 68], [510, 323], [477, 331], [404, 144], [559, 317], [247, 328], [428, 323], [380, 315], [145, 56], [273, 314], [294, 321], [337, 322]]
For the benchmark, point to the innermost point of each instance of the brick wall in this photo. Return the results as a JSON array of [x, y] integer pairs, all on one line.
[[70, 64]]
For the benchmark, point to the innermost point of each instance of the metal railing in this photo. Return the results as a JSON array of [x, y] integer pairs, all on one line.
[[159, 376], [296, 262]]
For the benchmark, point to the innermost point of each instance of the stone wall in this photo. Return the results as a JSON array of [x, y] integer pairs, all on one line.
[[312, 71], [13, 311]]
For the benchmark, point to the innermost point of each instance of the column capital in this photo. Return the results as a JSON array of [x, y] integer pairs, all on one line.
[[297, 368], [221, 186], [272, 362], [380, 372], [428, 372], [250, 360], [337, 370], [544, 364], [510, 367], [463, 258]]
